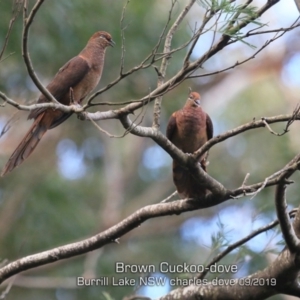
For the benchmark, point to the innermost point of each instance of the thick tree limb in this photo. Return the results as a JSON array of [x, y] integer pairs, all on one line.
[[183, 158], [108, 236], [115, 232]]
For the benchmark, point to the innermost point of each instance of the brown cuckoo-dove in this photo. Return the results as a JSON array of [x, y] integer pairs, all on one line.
[[73, 82], [189, 129]]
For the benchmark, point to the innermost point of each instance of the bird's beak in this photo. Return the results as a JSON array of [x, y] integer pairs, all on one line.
[[111, 43], [198, 102]]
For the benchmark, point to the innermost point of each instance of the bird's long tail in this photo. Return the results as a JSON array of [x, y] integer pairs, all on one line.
[[28, 143], [187, 186]]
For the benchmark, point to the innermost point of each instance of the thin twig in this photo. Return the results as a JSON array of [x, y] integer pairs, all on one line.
[[8, 124], [284, 29], [8, 288], [165, 60], [26, 26], [169, 197], [245, 127], [127, 131], [197, 35], [240, 243], [17, 5], [141, 66], [245, 179], [104, 131], [292, 119], [238, 63], [123, 28], [269, 127]]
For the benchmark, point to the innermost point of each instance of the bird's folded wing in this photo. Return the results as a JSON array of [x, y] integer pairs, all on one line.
[[172, 126], [209, 127], [68, 76]]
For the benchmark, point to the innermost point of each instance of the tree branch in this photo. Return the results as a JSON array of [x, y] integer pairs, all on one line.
[[16, 10], [65, 108], [188, 68], [183, 74], [240, 243], [165, 60], [183, 158], [118, 230], [245, 127], [279, 277], [289, 235], [108, 236], [26, 26]]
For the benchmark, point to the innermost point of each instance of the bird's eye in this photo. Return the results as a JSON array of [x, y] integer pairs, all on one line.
[[105, 37]]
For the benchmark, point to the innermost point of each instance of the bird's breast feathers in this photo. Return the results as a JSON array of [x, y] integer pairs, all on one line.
[[190, 132], [191, 122]]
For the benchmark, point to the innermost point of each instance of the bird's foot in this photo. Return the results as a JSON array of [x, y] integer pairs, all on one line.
[[82, 116], [73, 101]]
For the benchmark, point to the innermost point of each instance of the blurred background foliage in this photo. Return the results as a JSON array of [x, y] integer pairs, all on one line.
[[79, 181]]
